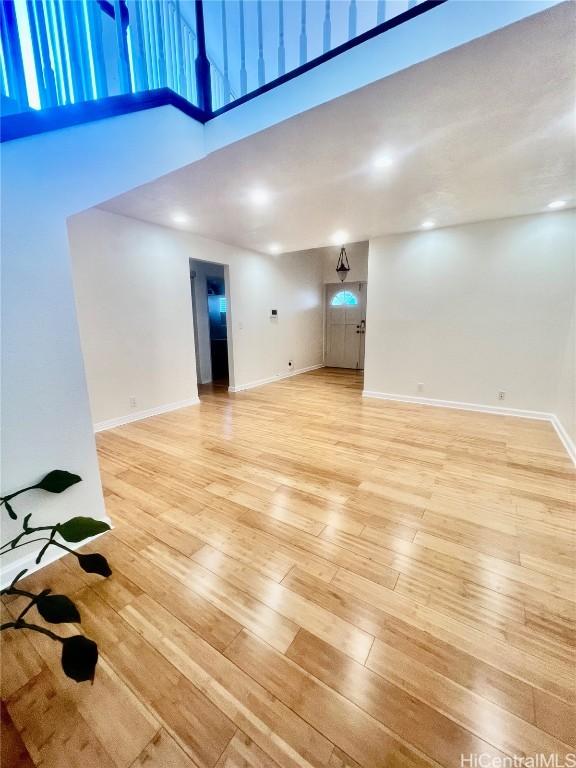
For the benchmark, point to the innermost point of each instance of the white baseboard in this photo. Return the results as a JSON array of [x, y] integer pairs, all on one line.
[[101, 426], [494, 409], [277, 377], [9, 572], [565, 438]]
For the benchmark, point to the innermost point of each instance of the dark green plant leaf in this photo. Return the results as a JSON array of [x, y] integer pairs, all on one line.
[[80, 528], [57, 609], [10, 510], [42, 552], [18, 577], [57, 481], [95, 564], [79, 658]]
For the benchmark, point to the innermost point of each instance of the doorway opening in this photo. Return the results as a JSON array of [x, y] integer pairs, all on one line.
[[345, 328], [210, 307]]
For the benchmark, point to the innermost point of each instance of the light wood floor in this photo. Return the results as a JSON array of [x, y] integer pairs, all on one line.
[[306, 578]]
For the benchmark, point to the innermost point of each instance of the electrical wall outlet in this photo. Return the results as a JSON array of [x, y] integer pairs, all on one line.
[[420, 386], [132, 402], [501, 395]]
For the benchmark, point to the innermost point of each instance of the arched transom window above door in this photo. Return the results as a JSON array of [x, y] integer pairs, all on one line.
[[344, 299]]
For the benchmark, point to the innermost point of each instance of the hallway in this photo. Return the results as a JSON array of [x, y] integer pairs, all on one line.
[[309, 578]]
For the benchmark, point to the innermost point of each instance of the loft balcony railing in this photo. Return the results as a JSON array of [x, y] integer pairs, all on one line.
[[211, 55]]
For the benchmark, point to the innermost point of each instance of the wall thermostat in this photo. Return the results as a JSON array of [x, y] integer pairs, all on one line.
[[273, 313]]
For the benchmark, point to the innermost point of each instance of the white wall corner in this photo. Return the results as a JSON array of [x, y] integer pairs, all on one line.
[[565, 438], [272, 379], [102, 426]]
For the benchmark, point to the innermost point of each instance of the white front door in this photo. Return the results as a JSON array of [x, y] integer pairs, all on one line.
[[345, 325]]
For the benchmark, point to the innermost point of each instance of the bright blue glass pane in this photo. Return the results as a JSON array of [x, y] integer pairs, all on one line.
[[344, 298]]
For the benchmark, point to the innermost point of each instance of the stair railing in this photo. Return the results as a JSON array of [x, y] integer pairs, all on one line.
[[60, 52]]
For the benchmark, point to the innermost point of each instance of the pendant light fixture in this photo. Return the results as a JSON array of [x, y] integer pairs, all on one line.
[[343, 267]]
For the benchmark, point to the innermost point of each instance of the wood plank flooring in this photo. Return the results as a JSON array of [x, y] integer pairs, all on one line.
[[303, 577]]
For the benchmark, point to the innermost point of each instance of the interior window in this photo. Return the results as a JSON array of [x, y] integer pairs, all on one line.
[[344, 299]]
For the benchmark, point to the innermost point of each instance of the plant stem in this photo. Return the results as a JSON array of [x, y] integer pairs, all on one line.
[[42, 538], [35, 627], [11, 589], [15, 591], [32, 541], [17, 493], [12, 544], [62, 546], [32, 602], [15, 580], [25, 611]]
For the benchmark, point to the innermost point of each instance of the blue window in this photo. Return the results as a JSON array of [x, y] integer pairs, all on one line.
[[344, 299]]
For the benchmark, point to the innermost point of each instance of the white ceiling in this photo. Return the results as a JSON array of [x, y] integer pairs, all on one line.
[[484, 131]]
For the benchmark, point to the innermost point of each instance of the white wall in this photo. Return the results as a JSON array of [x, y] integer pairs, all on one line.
[[257, 283], [445, 27], [566, 396], [134, 310], [475, 309], [135, 314], [46, 420], [357, 258]]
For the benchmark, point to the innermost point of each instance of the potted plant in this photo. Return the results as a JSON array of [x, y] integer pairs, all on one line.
[[79, 654]]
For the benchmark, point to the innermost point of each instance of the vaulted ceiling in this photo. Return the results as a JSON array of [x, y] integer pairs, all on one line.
[[483, 131]]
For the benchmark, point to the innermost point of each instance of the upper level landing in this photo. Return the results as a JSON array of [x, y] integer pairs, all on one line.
[[63, 63]]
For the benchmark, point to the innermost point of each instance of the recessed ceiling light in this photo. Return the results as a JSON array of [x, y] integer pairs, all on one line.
[[382, 161], [340, 237], [428, 224], [259, 197], [557, 204], [274, 248], [180, 218]]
